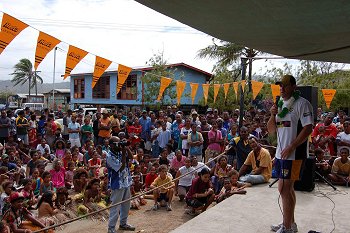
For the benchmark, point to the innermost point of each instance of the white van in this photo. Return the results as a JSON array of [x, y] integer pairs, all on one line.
[[91, 111], [33, 106]]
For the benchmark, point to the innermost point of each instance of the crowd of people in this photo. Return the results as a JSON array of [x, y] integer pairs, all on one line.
[[47, 166]]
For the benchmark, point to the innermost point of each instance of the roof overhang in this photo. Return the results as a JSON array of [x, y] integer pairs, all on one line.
[[301, 29]]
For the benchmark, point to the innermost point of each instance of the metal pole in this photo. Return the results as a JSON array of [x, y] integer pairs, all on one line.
[[53, 79], [241, 103]]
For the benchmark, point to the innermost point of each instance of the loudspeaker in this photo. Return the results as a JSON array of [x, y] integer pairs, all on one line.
[[307, 181], [311, 94]]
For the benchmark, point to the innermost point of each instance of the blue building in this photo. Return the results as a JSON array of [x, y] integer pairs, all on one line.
[[104, 92]]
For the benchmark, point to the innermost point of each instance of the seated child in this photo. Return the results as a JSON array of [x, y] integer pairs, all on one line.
[[26, 218], [58, 174], [80, 180], [92, 192], [221, 170], [135, 189], [201, 194], [36, 181], [94, 163], [150, 177], [341, 169], [46, 210], [27, 193], [69, 175], [47, 184], [67, 158], [228, 190], [7, 186], [137, 172], [164, 193], [322, 165]]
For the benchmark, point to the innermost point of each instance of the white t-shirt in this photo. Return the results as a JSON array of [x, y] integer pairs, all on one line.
[[342, 136], [74, 126], [200, 165], [185, 132], [187, 179], [288, 128]]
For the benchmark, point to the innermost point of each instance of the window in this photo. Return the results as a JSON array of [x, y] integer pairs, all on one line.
[[79, 88], [129, 89], [102, 88]]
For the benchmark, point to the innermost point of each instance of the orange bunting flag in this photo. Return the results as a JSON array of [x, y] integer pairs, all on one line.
[[256, 86], [205, 92], [194, 88], [123, 73], [10, 28], [74, 56], [276, 91], [164, 83], [44, 45], [328, 95], [243, 84], [216, 90], [180, 87], [101, 66], [235, 87], [226, 87]]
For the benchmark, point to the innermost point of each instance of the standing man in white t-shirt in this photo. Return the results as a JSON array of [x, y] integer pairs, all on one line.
[[291, 121], [74, 130]]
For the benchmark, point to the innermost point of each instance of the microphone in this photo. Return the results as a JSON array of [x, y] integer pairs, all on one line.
[[277, 100]]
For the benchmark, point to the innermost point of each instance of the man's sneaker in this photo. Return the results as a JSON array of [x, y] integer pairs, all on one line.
[[284, 230], [279, 226], [155, 207], [168, 207], [127, 227], [111, 230], [190, 212]]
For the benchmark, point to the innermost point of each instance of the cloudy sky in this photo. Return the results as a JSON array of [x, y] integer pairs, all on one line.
[[122, 31]]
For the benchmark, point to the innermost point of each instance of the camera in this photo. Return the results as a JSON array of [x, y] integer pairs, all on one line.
[[123, 143]]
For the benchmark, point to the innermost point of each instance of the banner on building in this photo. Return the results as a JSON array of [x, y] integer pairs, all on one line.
[[101, 66], [74, 56], [123, 73], [328, 95], [256, 87], [44, 45], [194, 88], [164, 83], [180, 87], [10, 28], [205, 92]]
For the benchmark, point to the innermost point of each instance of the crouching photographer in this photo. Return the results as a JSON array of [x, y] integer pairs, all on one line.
[[119, 178]]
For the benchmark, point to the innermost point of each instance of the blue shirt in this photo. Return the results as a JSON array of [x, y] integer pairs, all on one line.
[[175, 131], [117, 179], [146, 128]]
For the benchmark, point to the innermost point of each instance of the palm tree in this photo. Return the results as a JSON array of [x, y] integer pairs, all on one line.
[[24, 73], [228, 55]]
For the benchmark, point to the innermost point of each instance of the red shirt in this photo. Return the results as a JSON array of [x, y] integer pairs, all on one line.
[[149, 179], [329, 130], [136, 130], [198, 186]]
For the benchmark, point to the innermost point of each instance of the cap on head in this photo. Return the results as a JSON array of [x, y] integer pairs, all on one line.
[[287, 80], [4, 156]]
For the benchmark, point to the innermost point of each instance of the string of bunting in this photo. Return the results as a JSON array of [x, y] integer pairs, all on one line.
[[12, 27]]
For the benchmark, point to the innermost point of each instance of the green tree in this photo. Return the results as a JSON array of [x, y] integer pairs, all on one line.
[[151, 81], [24, 73]]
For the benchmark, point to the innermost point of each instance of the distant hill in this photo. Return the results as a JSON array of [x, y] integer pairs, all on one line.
[[7, 86]]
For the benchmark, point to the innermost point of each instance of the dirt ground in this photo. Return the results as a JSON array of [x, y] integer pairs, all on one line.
[[145, 220]]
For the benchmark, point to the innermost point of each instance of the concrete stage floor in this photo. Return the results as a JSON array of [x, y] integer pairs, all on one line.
[[258, 209]]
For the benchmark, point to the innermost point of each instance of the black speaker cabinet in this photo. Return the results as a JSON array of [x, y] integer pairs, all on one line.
[[307, 181], [311, 94]]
